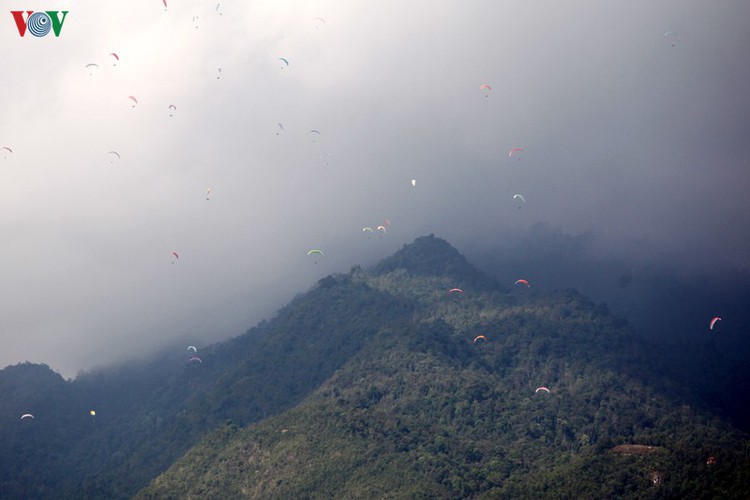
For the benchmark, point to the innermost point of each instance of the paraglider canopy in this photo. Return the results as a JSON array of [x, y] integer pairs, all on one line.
[[671, 35], [192, 348], [455, 290], [542, 388], [479, 337], [196, 359], [27, 415], [522, 282], [713, 322], [315, 251]]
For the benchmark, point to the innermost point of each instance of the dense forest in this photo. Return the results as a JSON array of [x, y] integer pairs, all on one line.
[[383, 383]]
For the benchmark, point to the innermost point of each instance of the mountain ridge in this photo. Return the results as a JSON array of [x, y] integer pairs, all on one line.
[[376, 383], [364, 433]]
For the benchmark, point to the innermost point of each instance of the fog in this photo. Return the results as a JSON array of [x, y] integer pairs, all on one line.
[[627, 133]]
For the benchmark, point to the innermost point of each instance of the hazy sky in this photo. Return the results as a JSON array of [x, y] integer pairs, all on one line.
[[626, 132]]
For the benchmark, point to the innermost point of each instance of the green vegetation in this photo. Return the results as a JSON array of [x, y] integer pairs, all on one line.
[[371, 385], [424, 412]]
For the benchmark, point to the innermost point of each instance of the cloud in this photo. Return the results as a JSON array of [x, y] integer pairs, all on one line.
[[623, 135]]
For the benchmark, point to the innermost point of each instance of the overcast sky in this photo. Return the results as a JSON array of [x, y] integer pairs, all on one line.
[[626, 132]]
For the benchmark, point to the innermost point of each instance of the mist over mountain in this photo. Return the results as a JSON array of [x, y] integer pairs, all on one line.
[[419, 376], [665, 301], [486, 392], [627, 120]]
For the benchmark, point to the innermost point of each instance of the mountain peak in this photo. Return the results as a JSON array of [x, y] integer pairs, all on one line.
[[431, 256]]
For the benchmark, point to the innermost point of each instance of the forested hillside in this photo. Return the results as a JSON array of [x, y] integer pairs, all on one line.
[[421, 377], [149, 413], [486, 392]]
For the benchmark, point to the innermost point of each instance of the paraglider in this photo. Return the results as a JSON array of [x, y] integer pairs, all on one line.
[[542, 388], [314, 134], [713, 322], [132, 98], [6, 148], [117, 58], [514, 150], [486, 88], [218, 73], [208, 193], [165, 4], [177, 257], [671, 35], [195, 359], [318, 21], [519, 197], [522, 282], [315, 252], [195, 21], [27, 415], [281, 129], [455, 290], [217, 9], [414, 182], [286, 63], [192, 348], [479, 337], [382, 228], [325, 159], [90, 67], [172, 109], [113, 155], [368, 230]]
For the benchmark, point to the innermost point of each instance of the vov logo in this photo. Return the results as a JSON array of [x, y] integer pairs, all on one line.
[[39, 23]]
